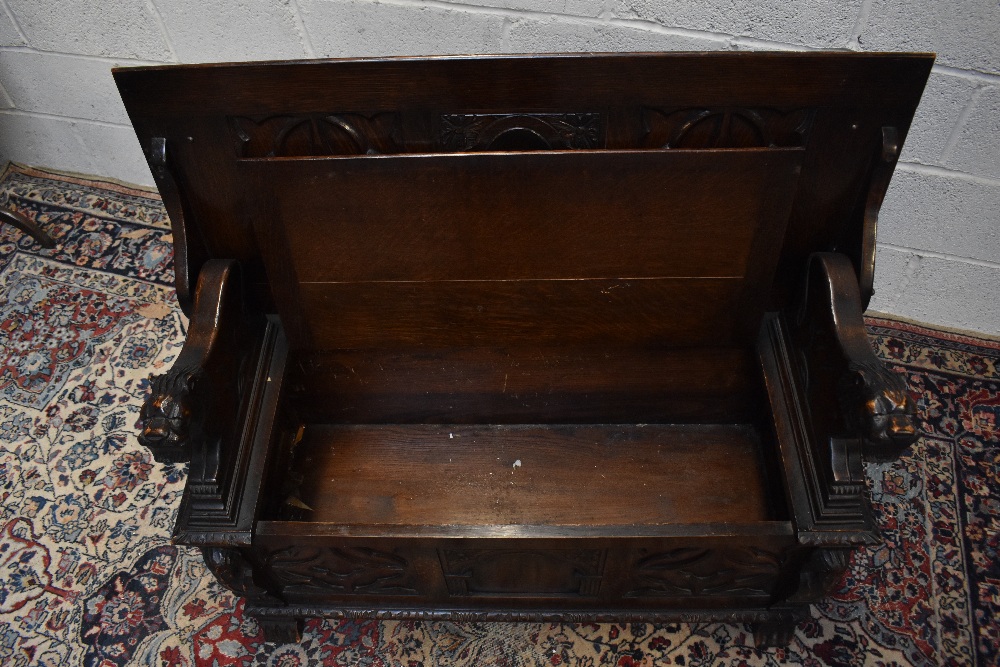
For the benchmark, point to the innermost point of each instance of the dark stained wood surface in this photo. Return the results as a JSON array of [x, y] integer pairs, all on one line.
[[647, 248], [510, 535], [534, 475], [560, 384], [666, 311], [527, 82], [528, 216]]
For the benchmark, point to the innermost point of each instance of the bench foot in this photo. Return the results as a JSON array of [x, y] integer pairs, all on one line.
[[773, 633], [280, 629]]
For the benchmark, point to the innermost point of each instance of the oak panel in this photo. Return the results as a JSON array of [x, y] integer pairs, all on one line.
[[541, 215], [532, 475]]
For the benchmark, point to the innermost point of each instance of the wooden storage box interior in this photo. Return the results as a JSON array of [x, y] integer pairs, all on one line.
[[568, 337], [539, 353]]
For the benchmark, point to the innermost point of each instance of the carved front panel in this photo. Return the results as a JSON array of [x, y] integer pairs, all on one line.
[[694, 572], [348, 570], [546, 573]]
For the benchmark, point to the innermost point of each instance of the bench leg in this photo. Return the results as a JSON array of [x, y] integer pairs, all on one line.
[[280, 629], [773, 633]]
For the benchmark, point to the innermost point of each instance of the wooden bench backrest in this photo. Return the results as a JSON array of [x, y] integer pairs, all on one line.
[[602, 248], [575, 237]]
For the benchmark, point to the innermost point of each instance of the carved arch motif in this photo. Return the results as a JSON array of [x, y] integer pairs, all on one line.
[[519, 131], [726, 127], [316, 134]]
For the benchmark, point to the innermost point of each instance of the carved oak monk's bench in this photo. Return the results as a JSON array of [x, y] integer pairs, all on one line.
[[558, 337]]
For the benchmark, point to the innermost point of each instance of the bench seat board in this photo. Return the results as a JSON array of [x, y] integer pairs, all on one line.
[[642, 474]]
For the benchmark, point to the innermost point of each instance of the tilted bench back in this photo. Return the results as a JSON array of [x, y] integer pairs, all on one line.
[[515, 239]]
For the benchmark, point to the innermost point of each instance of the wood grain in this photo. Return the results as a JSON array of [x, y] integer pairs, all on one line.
[[668, 311], [557, 215], [524, 384], [573, 474]]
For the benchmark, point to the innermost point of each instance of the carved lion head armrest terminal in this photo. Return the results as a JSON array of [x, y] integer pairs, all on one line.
[[866, 400], [881, 408], [190, 407], [167, 415]]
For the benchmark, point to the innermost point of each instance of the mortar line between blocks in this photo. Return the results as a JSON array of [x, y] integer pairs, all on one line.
[[973, 74], [647, 26], [854, 41], [14, 21], [82, 56], [158, 17], [653, 26], [5, 98], [505, 30], [68, 119], [472, 7], [945, 172], [300, 26], [755, 43], [913, 266], [963, 117], [83, 147], [940, 255]]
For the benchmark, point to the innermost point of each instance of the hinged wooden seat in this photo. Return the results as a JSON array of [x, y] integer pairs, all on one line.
[[569, 337]]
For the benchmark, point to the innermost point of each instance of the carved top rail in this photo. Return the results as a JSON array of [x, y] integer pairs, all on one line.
[[391, 132]]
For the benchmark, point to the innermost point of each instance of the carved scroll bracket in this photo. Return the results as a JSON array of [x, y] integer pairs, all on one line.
[[878, 186], [820, 574], [236, 573], [189, 249]]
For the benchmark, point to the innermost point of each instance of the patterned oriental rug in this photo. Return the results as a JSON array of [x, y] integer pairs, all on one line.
[[88, 574]]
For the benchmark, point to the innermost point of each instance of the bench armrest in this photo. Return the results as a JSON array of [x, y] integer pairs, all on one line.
[[854, 394], [192, 409]]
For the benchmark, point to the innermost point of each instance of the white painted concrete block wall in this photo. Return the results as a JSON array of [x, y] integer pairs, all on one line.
[[939, 252]]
